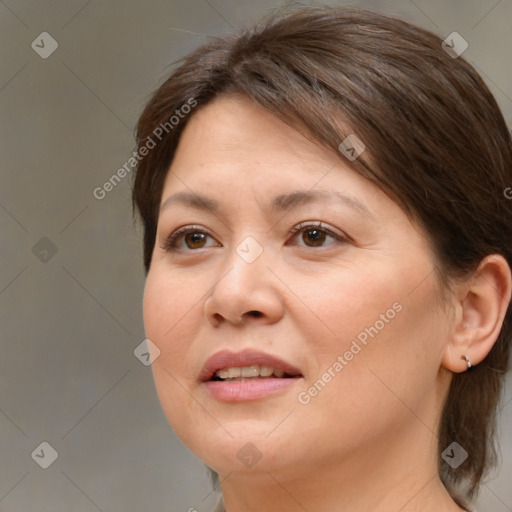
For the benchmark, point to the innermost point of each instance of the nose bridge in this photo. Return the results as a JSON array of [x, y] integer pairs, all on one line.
[[247, 263]]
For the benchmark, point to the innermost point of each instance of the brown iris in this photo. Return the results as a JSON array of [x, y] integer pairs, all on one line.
[[195, 240], [316, 236]]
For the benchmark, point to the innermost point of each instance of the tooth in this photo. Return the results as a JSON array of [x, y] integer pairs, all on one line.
[[251, 371], [235, 372], [266, 371], [223, 374], [278, 373]]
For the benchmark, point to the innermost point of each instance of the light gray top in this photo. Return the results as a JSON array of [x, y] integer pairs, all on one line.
[[219, 507]]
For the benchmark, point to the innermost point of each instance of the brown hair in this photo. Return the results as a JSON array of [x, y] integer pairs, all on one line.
[[436, 143]]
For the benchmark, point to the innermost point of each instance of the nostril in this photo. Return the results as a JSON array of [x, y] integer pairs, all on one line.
[[256, 314]]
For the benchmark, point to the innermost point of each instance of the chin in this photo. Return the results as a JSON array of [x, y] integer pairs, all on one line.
[[250, 450]]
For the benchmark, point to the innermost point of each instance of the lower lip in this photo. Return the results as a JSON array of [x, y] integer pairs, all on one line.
[[241, 391]]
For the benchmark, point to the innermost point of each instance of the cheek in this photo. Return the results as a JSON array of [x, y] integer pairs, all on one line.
[[170, 317], [390, 342], [344, 303], [169, 304], [172, 313]]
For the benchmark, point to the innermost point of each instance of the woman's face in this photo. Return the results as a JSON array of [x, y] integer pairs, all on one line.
[[350, 305]]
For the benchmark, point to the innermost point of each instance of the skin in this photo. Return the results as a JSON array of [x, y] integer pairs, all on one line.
[[367, 440]]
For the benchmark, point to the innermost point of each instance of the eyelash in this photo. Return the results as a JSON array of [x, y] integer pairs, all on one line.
[[171, 242]]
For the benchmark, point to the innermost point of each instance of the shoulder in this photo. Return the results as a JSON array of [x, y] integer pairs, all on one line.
[[219, 507]]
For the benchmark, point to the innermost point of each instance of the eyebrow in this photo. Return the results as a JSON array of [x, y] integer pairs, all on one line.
[[280, 203]]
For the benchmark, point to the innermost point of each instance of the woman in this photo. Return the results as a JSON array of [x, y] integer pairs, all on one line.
[[327, 248]]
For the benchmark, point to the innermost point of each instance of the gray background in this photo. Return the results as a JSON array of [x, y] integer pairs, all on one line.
[[70, 321]]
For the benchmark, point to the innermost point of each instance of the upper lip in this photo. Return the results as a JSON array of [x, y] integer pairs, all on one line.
[[227, 359]]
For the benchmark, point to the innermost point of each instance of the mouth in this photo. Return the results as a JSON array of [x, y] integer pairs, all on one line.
[[247, 375], [247, 364]]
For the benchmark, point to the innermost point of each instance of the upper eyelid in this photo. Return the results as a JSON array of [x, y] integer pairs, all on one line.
[[316, 224], [181, 231]]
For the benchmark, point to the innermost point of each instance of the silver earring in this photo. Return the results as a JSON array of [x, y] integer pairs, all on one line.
[[468, 362]]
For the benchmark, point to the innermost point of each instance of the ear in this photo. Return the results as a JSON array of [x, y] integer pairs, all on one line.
[[481, 304]]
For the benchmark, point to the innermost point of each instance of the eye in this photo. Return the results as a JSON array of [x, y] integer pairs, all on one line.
[[315, 235], [193, 237]]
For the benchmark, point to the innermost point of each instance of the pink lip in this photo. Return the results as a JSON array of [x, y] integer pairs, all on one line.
[[238, 391], [227, 359], [242, 391]]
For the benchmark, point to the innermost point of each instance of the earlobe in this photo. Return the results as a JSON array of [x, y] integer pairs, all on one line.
[[480, 311], [456, 358]]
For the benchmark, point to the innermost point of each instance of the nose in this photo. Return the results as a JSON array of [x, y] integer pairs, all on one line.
[[245, 292]]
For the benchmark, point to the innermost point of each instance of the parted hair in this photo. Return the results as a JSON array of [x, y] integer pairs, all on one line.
[[436, 143]]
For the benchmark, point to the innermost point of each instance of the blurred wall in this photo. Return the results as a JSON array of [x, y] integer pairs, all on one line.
[[71, 276]]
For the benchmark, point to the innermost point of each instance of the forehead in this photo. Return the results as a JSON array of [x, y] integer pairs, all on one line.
[[232, 141], [235, 124]]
